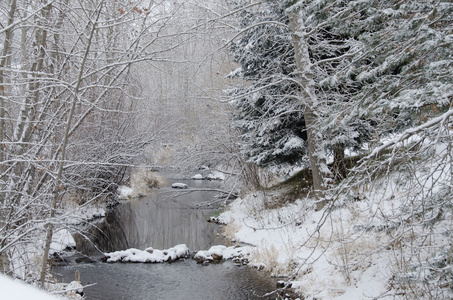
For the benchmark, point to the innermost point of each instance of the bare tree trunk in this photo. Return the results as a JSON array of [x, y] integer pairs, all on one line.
[[339, 165], [312, 112], [3, 64], [5, 61]]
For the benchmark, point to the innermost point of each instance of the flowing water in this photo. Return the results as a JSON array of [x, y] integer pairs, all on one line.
[[161, 221]]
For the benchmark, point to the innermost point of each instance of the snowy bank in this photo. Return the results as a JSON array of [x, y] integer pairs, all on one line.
[[149, 255], [16, 289], [291, 243], [386, 241], [62, 240]]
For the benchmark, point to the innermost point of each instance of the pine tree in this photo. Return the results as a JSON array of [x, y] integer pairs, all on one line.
[[268, 113], [373, 68], [401, 63]]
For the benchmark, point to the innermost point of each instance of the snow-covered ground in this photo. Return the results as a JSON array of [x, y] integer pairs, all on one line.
[[385, 234], [11, 289], [290, 243], [362, 247]]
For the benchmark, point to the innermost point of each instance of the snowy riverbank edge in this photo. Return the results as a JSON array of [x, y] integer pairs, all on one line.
[[286, 245], [328, 254]]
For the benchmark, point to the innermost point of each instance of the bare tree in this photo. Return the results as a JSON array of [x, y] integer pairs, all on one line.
[[67, 103]]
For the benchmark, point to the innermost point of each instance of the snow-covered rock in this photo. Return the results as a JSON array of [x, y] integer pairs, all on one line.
[[73, 288], [216, 175], [221, 252], [198, 177], [178, 185], [149, 255]]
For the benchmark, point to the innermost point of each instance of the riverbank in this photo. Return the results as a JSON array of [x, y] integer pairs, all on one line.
[[303, 247], [345, 251]]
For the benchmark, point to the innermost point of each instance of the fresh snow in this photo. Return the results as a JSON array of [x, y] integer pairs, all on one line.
[[216, 175], [346, 252], [18, 290], [61, 240], [125, 192], [178, 185], [149, 255], [285, 241], [222, 252]]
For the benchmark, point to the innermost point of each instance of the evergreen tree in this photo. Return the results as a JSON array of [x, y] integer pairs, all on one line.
[[366, 69], [268, 113], [399, 70]]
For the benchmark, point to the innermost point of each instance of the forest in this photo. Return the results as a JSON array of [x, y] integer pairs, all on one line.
[[333, 120]]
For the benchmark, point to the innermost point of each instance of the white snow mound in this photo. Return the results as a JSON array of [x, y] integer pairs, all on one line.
[[149, 255]]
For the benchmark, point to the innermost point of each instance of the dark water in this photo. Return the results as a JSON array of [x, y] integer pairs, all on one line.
[[161, 221], [184, 279]]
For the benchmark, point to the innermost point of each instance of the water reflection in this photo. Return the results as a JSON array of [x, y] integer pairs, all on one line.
[[161, 220]]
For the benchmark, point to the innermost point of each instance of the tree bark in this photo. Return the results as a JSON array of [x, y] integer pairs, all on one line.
[[3, 64], [5, 61], [339, 165], [312, 108]]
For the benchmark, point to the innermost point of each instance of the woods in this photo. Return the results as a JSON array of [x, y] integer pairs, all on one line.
[[66, 96], [357, 92], [371, 78]]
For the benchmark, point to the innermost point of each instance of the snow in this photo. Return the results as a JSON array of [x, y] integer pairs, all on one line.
[[216, 175], [149, 255], [18, 290], [223, 252], [74, 288], [125, 192], [349, 252], [178, 185], [86, 212], [284, 246], [61, 240], [198, 177]]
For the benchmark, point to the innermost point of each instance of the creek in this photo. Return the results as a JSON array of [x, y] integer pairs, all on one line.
[[162, 220]]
